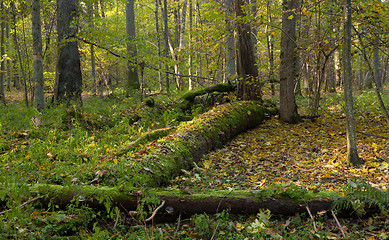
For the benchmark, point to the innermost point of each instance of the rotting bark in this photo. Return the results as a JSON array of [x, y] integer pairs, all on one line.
[[186, 203], [202, 201]]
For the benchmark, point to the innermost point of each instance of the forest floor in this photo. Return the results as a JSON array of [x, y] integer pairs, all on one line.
[[309, 154], [67, 149]]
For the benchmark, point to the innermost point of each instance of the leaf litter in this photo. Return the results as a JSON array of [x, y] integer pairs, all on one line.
[[311, 155]]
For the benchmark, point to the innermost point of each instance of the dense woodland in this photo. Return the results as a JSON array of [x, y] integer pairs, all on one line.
[[183, 119]]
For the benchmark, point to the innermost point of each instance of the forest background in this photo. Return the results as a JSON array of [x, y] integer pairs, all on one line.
[[126, 67]]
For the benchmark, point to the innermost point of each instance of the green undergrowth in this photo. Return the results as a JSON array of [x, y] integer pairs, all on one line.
[[69, 143]]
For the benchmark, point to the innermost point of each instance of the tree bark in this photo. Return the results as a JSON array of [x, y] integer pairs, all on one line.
[[132, 73], [249, 87], [37, 52], [230, 42], [69, 77], [288, 72], [92, 51], [2, 51], [178, 202], [166, 36], [377, 66], [352, 150], [190, 63], [158, 44], [16, 44], [270, 45]]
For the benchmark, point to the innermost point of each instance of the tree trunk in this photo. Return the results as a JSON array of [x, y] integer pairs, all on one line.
[[2, 51], [166, 36], [16, 44], [249, 86], [230, 42], [195, 138], [92, 52], [132, 73], [184, 203], [288, 72], [7, 61], [69, 77], [190, 82], [37, 52], [270, 45], [158, 45], [377, 66], [331, 77], [352, 152]]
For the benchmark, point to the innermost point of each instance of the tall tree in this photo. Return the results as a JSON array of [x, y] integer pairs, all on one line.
[[190, 63], [270, 44], [288, 57], [230, 42], [37, 52], [69, 78], [352, 153], [166, 36], [132, 73], [2, 51], [249, 86], [16, 44], [92, 51], [158, 44]]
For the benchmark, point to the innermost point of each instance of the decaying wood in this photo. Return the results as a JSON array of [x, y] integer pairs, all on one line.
[[161, 160], [176, 202]]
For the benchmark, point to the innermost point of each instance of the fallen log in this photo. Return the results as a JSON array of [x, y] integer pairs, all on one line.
[[183, 202], [159, 161], [145, 138], [186, 203]]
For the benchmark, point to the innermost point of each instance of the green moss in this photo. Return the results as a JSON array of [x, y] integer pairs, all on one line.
[[146, 138]]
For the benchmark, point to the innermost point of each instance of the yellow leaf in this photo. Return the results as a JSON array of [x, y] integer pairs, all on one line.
[[272, 33], [305, 11], [291, 17]]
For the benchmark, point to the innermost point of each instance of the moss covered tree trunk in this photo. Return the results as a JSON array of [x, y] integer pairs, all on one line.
[[191, 140]]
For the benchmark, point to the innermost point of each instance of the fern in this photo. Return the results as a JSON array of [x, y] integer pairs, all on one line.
[[358, 194]]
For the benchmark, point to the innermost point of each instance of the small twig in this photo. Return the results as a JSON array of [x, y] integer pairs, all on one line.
[[217, 209], [313, 220], [22, 205], [155, 212], [214, 232], [337, 222], [117, 219], [372, 135], [178, 224]]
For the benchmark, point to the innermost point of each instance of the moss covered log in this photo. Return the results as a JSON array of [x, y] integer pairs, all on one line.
[[183, 201], [161, 160], [287, 202], [188, 98], [145, 138]]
